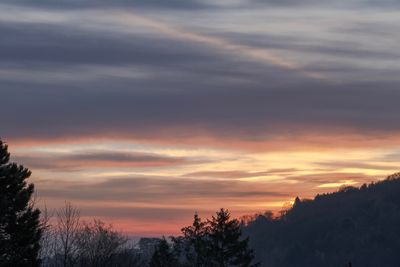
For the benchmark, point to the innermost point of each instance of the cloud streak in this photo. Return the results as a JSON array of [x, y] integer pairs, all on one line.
[[255, 54], [99, 159], [156, 190], [130, 19], [239, 174]]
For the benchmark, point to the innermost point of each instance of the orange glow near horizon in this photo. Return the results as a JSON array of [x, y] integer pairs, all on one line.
[[131, 193]]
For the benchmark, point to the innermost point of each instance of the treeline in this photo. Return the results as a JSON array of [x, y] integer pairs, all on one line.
[[69, 241], [214, 243], [357, 225]]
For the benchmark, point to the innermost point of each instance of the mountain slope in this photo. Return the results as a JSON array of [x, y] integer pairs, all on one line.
[[357, 225]]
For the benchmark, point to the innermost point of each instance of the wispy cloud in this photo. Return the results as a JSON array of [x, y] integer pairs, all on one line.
[[239, 174], [255, 54], [131, 19], [153, 189], [357, 165], [99, 159]]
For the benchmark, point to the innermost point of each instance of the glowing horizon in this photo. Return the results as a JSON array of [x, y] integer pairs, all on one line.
[[130, 184]]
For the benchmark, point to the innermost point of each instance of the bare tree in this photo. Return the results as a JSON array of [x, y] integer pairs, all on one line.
[[47, 241], [99, 244], [68, 226], [71, 242]]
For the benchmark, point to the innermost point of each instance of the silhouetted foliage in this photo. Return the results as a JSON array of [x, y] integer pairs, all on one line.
[[163, 256], [193, 246], [226, 246], [20, 230], [73, 242], [147, 247], [67, 230], [360, 225], [215, 243], [98, 245]]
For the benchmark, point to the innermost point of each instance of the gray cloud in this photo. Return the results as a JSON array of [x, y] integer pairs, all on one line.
[[77, 161], [61, 80], [121, 157], [140, 214], [79, 4], [391, 157], [154, 190], [65, 45], [318, 45], [337, 3], [197, 4], [284, 2], [44, 112], [331, 177], [239, 174], [358, 165]]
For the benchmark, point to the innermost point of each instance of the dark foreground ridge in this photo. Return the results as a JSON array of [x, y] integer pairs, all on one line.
[[360, 226]]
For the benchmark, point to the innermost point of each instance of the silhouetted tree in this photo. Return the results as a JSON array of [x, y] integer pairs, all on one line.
[[20, 229], [67, 230], [195, 243], [47, 241], [226, 243], [98, 245], [163, 256], [72, 242], [147, 247]]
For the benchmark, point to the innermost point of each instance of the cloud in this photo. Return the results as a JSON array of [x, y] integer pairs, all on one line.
[[239, 174], [268, 115], [284, 2], [196, 5], [390, 157], [78, 4], [82, 75], [85, 82], [66, 45], [150, 189], [75, 161], [318, 46], [263, 56], [356, 165], [126, 22], [331, 178], [314, 3], [139, 214]]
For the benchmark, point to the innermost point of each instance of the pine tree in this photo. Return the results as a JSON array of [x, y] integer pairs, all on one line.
[[163, 256], [226, 244], [196, 238], [20, 229]]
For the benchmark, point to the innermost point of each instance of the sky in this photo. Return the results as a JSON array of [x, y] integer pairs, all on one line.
[[142, 112]]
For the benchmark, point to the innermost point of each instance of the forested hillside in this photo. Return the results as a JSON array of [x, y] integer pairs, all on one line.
[[357, 225]]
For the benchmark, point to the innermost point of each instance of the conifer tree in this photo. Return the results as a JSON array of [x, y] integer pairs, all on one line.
[[20, 229], [227, 247], [163, 256], [196, 239]]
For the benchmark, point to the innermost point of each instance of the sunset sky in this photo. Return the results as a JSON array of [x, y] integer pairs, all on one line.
[[142, 112]]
